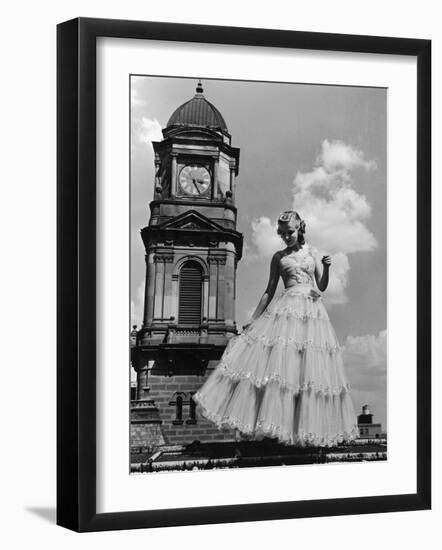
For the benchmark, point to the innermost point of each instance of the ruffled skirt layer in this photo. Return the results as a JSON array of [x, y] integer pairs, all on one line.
[[283, 377]]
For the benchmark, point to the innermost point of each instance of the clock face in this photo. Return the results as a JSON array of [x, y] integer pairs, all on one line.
[[194, 180]]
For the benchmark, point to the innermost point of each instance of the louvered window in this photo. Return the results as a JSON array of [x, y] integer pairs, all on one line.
[[190, 298], [189, 312]]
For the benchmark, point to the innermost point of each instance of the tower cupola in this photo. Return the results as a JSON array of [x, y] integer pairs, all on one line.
[[198, 112]]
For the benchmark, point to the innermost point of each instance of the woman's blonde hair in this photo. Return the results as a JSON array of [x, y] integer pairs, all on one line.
[[290, 219]]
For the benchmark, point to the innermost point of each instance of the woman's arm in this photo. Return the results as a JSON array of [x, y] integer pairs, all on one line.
[[270, 290], [322, 269]]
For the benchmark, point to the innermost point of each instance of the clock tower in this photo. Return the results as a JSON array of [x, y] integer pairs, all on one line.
[[191, 249]]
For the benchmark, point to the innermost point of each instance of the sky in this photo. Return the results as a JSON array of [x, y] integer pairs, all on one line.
[[320, 150]]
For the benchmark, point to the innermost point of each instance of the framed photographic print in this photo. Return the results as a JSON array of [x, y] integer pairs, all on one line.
[[243, 274]]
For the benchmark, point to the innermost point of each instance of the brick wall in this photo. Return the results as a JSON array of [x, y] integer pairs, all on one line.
[[165, 390]]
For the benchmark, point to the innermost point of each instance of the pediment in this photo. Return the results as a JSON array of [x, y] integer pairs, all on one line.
[[191, 220]]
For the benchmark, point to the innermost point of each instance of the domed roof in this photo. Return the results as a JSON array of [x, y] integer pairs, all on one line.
[[198, 112]]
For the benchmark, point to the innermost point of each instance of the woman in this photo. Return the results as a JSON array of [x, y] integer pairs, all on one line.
[[283, 376]]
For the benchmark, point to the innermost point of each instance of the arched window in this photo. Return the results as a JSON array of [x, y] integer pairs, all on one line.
[[190, 294], [179, 408], [192, 409], [178, 401]]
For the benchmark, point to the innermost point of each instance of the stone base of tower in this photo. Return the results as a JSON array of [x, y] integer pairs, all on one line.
[[145, 426], [165, 414], [181, 423]]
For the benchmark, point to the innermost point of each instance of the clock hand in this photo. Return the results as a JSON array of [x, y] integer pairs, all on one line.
[[196, 187]]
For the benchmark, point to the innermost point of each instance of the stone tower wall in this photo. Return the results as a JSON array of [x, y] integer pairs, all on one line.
[[163, 389]]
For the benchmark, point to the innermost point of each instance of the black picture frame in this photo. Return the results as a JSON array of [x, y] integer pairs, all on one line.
[[76, 274]]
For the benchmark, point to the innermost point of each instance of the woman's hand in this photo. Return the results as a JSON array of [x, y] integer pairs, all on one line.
[[322, 271], [314, 294], [326, 261]]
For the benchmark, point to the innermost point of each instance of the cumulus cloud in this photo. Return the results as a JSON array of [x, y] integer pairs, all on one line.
[[369, 350], [365, 359], [334, 211], [264, 238], [144, 130], [335, 293], [149, 130], [136, 98], [336, 155]]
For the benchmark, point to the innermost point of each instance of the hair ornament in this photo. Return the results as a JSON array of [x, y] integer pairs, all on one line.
[[289, 219]]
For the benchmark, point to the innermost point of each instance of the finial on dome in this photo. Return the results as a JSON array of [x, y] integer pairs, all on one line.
[[199, 88]]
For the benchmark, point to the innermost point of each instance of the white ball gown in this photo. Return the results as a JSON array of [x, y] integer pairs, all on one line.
[[283, 377]]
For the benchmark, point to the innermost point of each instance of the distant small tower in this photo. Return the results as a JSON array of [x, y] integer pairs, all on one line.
[[366, 417], [368, 430]]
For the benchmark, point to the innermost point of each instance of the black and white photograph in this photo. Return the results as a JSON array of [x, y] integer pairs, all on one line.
[[258, 274], [220, 229]]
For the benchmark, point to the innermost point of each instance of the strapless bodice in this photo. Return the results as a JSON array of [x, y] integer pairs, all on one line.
[[298, 268]]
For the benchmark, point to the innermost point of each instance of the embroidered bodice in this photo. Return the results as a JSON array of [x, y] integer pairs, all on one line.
[[298, 268]]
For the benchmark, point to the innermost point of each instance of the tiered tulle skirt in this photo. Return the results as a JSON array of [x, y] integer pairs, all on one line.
[[283, 377]]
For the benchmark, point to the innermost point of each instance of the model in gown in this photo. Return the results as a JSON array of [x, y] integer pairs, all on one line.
[[283, 376]]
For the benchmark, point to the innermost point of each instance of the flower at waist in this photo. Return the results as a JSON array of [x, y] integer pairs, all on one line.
[[305, 290]]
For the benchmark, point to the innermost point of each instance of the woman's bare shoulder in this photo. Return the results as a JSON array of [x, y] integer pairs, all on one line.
[[278, 255], [274, 263]]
